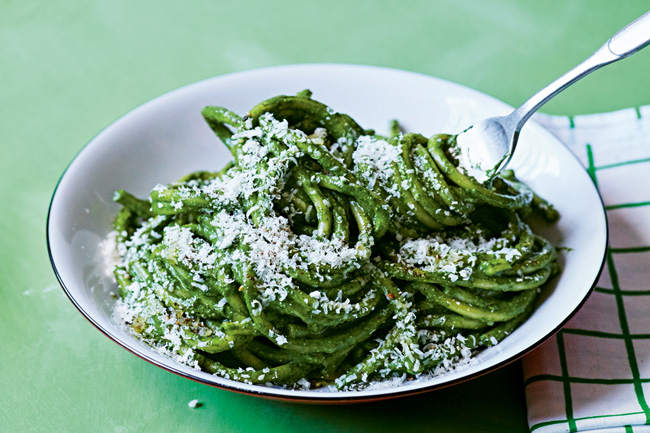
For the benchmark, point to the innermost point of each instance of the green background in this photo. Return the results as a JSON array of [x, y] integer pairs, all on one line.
[[67, 69]]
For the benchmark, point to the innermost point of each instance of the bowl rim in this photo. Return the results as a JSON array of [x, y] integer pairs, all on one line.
[[315, 397]]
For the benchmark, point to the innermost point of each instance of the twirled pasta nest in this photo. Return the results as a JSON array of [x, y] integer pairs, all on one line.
[[327, 255]]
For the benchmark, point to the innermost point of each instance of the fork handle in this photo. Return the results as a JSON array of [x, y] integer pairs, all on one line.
[[631, 38], [627, 41]]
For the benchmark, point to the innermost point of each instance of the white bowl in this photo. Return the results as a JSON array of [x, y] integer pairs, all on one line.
[[167, 138]]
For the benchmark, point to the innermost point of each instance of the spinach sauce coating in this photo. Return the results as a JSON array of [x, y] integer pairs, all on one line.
[[327, 255]]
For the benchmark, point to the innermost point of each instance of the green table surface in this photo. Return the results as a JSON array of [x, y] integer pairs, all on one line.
[[68, 68]]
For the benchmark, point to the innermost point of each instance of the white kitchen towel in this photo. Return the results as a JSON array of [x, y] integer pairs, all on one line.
[[594, 374]]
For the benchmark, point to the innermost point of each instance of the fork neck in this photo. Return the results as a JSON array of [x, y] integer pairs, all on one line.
[[603, 56]]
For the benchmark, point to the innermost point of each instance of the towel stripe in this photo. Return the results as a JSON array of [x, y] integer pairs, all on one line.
[[572, 379], [565, 381], [555, 422], [623, 292], [591, 168], [627, 205], [629, 346], [620, 164], [630, 250]]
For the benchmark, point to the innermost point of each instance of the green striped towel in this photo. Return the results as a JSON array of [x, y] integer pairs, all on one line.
[[594, 375]]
